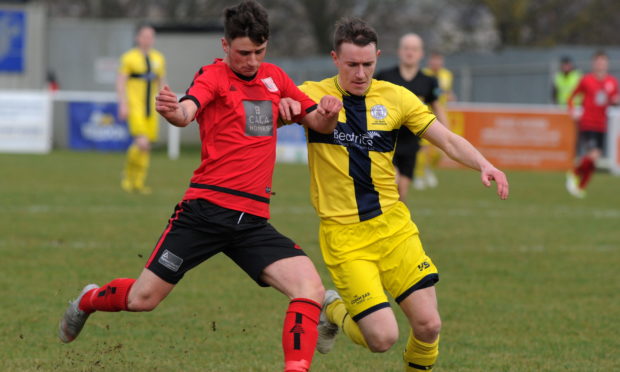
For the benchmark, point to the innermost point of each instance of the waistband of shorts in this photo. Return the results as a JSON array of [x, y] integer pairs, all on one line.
[[244, 217], [385, 212]]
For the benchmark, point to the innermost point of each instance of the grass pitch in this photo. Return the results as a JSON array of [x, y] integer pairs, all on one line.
[[528, 284]]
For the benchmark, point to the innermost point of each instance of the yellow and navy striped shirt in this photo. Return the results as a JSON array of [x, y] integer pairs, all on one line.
[[352, 178], [144, 72]]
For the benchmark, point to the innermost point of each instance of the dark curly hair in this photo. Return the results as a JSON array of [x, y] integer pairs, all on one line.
[[247, 19], [356, 31]]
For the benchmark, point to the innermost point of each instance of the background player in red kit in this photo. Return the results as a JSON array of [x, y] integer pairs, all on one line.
[[236, 102], [599, 90]]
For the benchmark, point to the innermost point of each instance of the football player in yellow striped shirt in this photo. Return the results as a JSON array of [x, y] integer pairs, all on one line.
[[367, 238], [140, 75]]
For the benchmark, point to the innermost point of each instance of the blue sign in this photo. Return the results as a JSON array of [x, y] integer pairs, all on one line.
[[292, 134], [95, 126], [12, 40]]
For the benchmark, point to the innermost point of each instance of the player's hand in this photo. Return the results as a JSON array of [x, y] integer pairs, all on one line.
[[289, 108], [166, 101], [122, 110], [575, 114], [329, 106], [491, 173]]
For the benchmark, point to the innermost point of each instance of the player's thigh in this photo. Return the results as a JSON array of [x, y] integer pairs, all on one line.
[[136, 122], [258, 245], [141, 125], [421, 310], [152, 127], [380, 329], [295, 277], [359, 284], [407, 268], [588, 142], [190, 238]]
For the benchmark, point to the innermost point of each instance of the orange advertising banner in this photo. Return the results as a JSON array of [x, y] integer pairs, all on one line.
[[517, 137]]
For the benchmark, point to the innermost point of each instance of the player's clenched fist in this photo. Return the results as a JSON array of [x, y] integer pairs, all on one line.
[[329, 106], [166, 101], [177, 113]]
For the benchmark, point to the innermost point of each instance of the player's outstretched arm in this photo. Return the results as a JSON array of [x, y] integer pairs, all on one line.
[[179, 114], [325, 118], [121, 81], [459, 149]]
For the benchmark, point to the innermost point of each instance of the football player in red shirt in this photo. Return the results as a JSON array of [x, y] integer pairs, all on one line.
[[237, 103], [599, 90]]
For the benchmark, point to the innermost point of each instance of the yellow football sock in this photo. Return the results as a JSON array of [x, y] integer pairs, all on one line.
[[337, 313], [142, 166], [128, 183], [420, 356]]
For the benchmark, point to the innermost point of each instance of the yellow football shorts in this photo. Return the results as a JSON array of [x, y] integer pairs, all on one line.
[[366, 259], [141, 125]]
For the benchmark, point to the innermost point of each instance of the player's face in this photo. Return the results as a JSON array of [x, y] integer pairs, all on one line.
[[600, 65], [145, 39], [410, 50], [435, 62], [243, 56], [356, 65], [566, 67]]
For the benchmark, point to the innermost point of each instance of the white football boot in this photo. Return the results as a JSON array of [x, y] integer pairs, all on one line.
[[327, 330], [73, 320]]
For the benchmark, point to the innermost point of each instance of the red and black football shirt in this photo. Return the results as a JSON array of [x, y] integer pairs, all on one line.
[[237, 119]]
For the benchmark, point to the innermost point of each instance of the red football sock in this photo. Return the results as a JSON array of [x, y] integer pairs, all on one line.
[[579, 169], [299, 334], [110, 297], [587, 169]]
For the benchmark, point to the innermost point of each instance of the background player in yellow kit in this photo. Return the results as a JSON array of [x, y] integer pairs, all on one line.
[[367, 238], [429, 157], [408, 73], [140, 75], [435, 67]]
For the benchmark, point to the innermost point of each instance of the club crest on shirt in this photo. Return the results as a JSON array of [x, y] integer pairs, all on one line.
[[271, 86], [378, 112], [609, 86]]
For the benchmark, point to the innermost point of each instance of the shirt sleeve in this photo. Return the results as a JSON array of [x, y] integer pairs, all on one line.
[[416, 115], [163, 66], [289, 89], [124, 68], [579, 89], [202, 89]]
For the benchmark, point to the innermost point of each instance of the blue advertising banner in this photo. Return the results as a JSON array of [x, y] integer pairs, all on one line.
[[292, 134], [12, 40], [95, 126], [292, 144]]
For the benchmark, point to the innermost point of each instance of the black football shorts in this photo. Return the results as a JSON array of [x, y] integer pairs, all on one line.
[[588, 141], [199, 229], [405, 156]]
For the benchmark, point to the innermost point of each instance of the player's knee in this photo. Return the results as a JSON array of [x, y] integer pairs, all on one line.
[[143, 143], [381, 343], [314, 290], [427, 330]]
